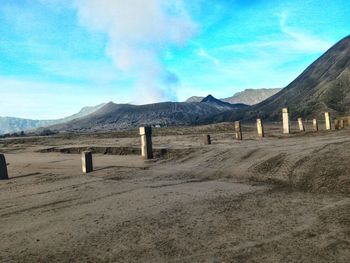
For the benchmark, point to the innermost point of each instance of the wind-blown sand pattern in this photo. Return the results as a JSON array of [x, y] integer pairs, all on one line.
[[277, 199]]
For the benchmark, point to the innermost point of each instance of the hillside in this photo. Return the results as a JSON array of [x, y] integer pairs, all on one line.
[[123, 116], [323, 86]]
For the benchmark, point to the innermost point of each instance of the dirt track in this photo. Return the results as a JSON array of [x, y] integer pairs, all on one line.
[[272, 200]]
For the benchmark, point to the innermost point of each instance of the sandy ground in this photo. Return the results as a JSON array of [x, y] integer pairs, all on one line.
[[279, 199]]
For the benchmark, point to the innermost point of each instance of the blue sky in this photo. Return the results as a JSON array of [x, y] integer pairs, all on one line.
[[58, 56]]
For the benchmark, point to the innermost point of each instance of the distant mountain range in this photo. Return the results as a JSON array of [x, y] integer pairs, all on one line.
[[248, 96], [11, 124], [124, 116]]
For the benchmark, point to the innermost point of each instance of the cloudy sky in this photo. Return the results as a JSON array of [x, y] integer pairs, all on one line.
[[57, 56]]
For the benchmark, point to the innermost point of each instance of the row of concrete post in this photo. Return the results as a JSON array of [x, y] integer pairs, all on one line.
[[146, 139], [259, 126], [338, 123], [146, 150]]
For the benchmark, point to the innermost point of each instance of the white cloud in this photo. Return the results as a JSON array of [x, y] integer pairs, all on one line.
[[299, 41], [138, 31], [204, 54], [291, 41]]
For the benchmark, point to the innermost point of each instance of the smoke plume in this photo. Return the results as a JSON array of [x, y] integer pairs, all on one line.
[[139, 31]]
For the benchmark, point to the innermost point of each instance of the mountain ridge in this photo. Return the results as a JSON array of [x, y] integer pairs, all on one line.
[[14, 124], [124, 116], [322, 86], [247, 96]]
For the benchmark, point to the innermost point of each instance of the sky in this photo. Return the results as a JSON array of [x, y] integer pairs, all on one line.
[[57, 56]]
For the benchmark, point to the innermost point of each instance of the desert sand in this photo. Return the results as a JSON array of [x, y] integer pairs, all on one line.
[[276, 199]]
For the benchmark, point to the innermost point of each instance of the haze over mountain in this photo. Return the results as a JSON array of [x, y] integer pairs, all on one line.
[[252, 96], [123, 116], [12, 124], [323, 86], [248, 96]]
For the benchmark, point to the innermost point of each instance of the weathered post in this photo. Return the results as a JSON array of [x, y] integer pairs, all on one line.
[[327, 118], [315, 124], [301, 124], [146, 142], [207, 139], [336, 124], [86, 160], [260, 128], [3, 168], [341, 124], [238, 130], [348, 121], [285, 118]]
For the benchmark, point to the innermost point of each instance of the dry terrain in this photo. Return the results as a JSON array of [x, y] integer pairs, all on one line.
[[279, 199]]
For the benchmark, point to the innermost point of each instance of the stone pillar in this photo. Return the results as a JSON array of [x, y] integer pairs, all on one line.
[[238, 130], [315, 124], [285, 118], [260, 128], [327, 118], [341, 124], [336, 124], [207, 139], [86, 160], [3, 168], [301, 124], [146, 142]]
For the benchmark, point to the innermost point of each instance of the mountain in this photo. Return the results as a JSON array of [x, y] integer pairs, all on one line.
[[248, 96], [251, 96], [82, 113], [323, 86], [124, 116], [11, 124], [195, 99], [221, 104]]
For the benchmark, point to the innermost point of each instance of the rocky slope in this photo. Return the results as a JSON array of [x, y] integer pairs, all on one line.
[[123, 116]]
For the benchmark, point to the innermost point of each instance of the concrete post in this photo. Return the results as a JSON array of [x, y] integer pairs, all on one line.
[[301, 124], [207, 139], [315, 124], [260, 128], [285, 118], [86, 160], [238, 130], [146, 142], [336, 124], [341, 124], [327, 117], [3, 168]]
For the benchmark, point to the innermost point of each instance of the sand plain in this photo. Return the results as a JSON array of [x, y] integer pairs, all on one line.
[[276, 199]]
